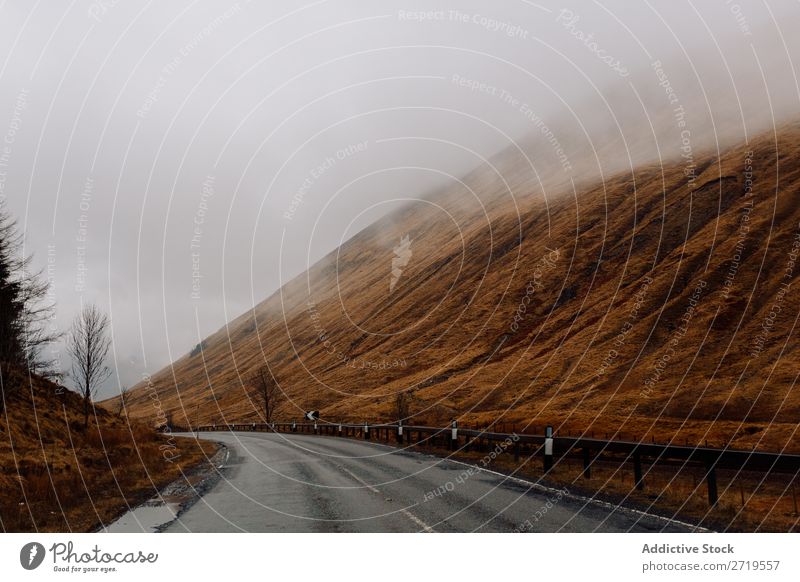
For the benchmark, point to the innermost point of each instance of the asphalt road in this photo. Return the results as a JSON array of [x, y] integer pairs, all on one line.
[[306, 483]]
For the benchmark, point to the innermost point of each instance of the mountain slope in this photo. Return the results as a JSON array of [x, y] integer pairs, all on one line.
[[658, 302], [56, 475]]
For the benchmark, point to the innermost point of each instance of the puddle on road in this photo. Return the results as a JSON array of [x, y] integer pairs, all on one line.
[[145, 518], [174, 498]]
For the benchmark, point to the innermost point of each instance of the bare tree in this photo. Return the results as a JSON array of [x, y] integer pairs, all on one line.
[[121, 405], [266, 391], [88, 344], [401, 404]]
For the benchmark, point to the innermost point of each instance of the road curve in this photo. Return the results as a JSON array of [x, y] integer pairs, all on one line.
[[304, 483]]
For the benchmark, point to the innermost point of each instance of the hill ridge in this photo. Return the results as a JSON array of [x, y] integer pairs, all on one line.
[[449, 320]]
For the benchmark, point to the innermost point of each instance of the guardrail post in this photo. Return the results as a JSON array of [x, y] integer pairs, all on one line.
[[637, 471], [587, 463], [366, 431], [400, 432], [548, 449], [711, 480], [516, 451]]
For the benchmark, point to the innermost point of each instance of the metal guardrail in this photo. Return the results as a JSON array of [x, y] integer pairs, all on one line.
[[454, 438]]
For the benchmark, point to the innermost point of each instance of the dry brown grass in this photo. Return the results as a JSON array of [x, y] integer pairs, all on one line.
[[747, 501], [56, 476]]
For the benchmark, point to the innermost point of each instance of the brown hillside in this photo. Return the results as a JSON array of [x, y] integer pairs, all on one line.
[[647, 310], [58, 476]]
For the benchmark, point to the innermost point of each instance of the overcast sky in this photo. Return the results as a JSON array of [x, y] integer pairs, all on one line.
[[147, 143]]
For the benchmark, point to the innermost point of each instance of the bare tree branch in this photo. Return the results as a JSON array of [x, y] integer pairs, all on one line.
[[88, 344], [402, 404], [266, 391]]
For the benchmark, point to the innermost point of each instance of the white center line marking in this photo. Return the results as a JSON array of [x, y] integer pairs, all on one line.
[[357, 478], [425, 527]]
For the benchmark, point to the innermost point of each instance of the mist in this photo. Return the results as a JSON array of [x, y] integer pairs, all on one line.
[[177, 164]]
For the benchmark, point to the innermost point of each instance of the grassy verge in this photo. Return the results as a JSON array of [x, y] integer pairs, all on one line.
[[57, 476]]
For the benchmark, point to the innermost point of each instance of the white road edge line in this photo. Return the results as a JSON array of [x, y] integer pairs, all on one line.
[[544, 488], [425, 527], [225, 462], [588, 500], [531, 484]]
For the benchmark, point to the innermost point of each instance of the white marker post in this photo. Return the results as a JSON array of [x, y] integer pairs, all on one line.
[[548, 449], [366, 431], [340, 429], [454, 436], [400, 432]]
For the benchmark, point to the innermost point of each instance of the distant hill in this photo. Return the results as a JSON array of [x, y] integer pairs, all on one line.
[[656, 303]]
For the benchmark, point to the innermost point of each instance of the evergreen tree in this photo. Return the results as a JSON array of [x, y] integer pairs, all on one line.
[[24, 312]]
